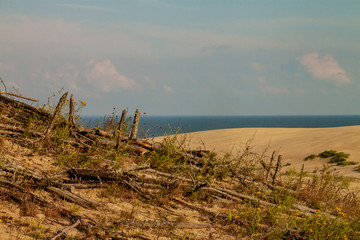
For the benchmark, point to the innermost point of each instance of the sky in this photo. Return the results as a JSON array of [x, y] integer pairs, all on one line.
[[186, 57]]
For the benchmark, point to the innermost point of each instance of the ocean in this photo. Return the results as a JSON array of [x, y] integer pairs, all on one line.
[[153, 126]]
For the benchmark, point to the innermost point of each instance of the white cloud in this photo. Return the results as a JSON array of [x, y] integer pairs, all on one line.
[[168, 89], [104, 76], [65, 76], [326, 68]]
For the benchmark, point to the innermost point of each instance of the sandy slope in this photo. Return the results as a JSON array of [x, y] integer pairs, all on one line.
[[293, 143]]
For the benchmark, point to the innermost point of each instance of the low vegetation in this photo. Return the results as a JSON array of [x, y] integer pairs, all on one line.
[[340, 158], [100, 184]]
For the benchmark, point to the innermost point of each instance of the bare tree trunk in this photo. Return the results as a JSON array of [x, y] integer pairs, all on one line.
[[122, 120], [270, 165], [120, 129], [278, 167], [71, 113], [135, 125], [56, 115]]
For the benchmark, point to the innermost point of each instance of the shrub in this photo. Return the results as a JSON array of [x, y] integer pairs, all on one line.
[[327, 154], [310, 157]]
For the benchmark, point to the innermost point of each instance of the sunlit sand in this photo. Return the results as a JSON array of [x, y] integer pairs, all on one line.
[[294, 144]]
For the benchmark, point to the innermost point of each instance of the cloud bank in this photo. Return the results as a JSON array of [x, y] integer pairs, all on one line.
[[326, 68], [104, 76]]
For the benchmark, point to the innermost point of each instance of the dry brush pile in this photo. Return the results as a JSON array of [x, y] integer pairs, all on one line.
[[103, 183]]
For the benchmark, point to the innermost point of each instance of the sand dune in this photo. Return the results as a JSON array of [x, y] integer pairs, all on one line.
[[293, 143]]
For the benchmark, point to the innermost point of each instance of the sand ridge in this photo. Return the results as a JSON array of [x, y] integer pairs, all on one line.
[[293, 143]]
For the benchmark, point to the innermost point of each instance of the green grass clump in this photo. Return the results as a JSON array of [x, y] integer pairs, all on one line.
[[340, 158], [328, 153], [310, 157]]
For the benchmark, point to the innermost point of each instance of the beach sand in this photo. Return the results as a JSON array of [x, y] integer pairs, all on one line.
[[294, 144]]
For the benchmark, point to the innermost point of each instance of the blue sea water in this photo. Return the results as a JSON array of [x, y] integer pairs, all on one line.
[[151, 126]]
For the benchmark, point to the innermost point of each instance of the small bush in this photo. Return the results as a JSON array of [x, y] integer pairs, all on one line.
[[327, 154], [340, 158], [310, 157]]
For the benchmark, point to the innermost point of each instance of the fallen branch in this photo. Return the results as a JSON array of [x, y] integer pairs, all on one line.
[[28, 107], [20, 96], [22, 130], [163, 224], [105, 174], [77, 223], [72, 197]]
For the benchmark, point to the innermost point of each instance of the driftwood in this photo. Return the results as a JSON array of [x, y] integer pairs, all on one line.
[[135, 125]]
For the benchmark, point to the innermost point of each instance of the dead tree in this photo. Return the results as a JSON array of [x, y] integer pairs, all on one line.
[[278, 167], [56, 115], [135, 125], [120, 129], [71, 113]]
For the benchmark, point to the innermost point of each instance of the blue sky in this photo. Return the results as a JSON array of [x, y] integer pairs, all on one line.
[[259, 57]]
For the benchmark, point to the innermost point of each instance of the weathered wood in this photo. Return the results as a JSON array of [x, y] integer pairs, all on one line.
[[171, 176], [163, 224], [20, 96], [72, 112], [7, 120], [12, 167], [270, 165], [124, 145], [122, 121], [201, 210], [239, 195], [77, 223], [20, 129], [278, 167], [25, 106], [102, 133], [15, 168], [135, 126], [84, 130], [105, 174], [25, 194], [72, 197], [56, 115], [120, 130]]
